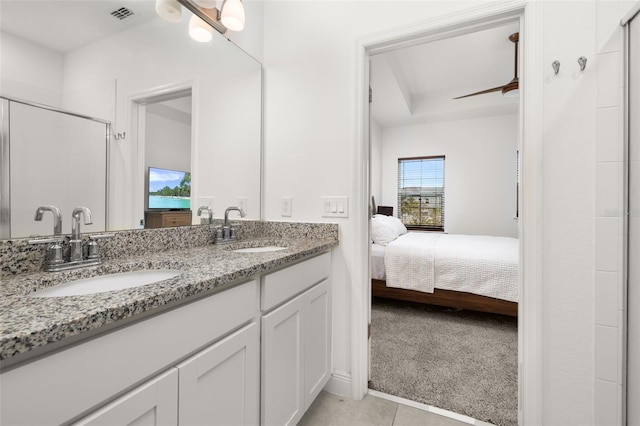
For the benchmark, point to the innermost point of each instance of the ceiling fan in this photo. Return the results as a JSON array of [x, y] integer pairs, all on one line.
[[511, 88]]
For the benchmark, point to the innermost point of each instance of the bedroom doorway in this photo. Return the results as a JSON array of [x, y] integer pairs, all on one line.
[[472, 191]]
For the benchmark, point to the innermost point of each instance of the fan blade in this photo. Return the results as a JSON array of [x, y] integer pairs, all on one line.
[[495, 89]]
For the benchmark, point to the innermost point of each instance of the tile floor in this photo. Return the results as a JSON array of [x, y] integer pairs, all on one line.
[[332, 410]]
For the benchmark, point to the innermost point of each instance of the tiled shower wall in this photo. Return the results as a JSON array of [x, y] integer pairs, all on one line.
[[609, 222]]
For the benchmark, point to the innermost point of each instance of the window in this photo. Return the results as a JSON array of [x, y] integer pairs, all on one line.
[[421, 192]]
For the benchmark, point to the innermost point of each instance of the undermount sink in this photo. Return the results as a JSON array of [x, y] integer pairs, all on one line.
[[264, 249], [109, 282]]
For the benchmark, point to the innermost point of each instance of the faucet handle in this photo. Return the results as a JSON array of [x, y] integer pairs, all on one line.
[[93, 249], [54, 251], [46, 240], [101, 236]]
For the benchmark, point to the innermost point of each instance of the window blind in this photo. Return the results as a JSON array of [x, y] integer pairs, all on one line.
[[421, 192]]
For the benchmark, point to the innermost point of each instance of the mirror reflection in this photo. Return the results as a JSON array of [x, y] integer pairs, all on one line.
[[172, 103]]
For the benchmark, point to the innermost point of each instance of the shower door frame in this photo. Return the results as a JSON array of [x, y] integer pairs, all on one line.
[[628, 208]]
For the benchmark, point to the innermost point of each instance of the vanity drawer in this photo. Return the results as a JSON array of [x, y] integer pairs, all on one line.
[[286, 283], [167, 219], [176, 219]]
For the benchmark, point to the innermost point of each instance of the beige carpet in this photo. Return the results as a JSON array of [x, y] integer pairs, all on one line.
[[458, 360]]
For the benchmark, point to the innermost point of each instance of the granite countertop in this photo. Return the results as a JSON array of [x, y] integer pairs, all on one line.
[[28, 323]]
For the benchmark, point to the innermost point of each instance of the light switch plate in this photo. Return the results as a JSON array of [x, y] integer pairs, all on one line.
[[335, 206]]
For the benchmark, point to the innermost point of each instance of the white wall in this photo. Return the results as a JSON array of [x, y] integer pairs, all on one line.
[[310, 138], [29, 71], [480, 170]]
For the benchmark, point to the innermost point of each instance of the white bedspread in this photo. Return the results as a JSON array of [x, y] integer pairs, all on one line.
[[409, 261], [477, 264], [377, 262]]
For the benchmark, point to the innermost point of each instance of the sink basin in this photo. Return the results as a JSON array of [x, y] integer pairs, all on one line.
[[110, 282], [259, 249]]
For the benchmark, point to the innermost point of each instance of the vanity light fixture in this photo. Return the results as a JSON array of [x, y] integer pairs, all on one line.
[[199, 30], [169, 10], [232, 15], [229, 17]]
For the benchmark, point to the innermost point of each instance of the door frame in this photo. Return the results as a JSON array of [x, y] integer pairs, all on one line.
[[137, 110], [530, 221]]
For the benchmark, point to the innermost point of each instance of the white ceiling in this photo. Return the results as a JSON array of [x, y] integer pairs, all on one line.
[[418, 83], [66, 25]]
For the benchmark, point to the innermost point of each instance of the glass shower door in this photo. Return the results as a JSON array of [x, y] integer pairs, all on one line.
[[54, 157]]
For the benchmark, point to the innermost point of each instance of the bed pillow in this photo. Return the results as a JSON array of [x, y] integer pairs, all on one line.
[[382, 232], [397, 225]]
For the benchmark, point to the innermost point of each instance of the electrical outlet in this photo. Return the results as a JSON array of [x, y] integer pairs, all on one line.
[[287, 207], [242, 203]]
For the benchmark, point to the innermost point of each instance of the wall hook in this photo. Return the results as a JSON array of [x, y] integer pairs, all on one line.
[[556, 66], [120, 136], [583, 62]]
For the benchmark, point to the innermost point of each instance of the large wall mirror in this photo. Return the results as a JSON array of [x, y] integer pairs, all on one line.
[[138, 93]]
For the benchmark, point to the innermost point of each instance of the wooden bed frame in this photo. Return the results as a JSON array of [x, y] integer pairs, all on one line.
[[449, 298]]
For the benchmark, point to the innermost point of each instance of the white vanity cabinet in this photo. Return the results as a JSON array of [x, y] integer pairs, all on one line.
[[153, 404], [221, 384], [296, 339], [75, 381]]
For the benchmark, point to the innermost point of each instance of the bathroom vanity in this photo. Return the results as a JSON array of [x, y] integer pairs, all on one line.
[[237, 338]]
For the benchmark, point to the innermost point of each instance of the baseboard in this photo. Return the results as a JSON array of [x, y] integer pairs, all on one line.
[[339, 383]]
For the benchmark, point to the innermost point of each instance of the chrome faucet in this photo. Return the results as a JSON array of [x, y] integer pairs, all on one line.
[[57, 217], [54, 252], [230, 209], [55, 261], [75, 254], [209, 214], [227, 233]]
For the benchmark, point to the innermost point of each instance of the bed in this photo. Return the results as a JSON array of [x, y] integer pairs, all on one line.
[[474, 272]]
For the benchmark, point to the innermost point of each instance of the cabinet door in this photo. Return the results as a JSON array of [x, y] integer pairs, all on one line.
[[282, 364], [154, 403], [317, 338], [221, 384]]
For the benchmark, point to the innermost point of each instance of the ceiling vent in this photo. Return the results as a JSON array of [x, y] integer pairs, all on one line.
[[122, 13]]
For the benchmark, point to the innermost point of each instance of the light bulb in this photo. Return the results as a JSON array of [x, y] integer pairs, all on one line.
[[232, 15], [199, 30], [169, 10]]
